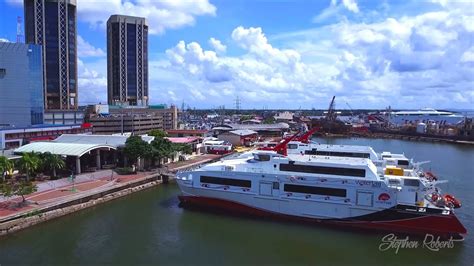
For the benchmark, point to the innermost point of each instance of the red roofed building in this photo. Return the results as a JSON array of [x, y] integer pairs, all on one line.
[[194, 142]]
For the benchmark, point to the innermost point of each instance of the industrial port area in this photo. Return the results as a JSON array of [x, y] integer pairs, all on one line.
[[419, 125]]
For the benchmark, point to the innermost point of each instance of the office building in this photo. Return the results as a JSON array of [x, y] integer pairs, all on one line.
[[127, 61], [21, 85], [52, 24], [132, 120]]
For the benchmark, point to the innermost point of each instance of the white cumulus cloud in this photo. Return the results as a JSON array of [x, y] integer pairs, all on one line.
[[351, 5], [161, 14], [407, 62], [92, 82], [85, 49], [217, 45]]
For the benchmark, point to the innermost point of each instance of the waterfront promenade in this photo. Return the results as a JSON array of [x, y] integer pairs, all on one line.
[[53, 191], [88, 189]]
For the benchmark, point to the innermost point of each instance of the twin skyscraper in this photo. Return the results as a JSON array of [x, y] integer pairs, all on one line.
[[52, 24]]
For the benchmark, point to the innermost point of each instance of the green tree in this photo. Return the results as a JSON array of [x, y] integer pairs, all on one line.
[[161, 148], [17, 188], [157, 133], [184, 148], [136, 148], [5, 166], [29, 164], [246, 117], [269, 120], [52, 162]]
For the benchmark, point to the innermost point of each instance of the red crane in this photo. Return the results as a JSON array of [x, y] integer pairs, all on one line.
[[305, 137], [282, 147]]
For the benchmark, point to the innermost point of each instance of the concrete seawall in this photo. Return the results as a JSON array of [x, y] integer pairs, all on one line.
[[23, 220]]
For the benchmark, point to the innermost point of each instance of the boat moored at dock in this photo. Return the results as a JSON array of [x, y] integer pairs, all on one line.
[[426, 115], [342, 191]]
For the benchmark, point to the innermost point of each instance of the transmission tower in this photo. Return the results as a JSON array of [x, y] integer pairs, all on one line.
[[237, 104]]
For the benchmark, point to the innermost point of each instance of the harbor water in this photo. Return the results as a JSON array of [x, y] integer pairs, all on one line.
[[149, 227]]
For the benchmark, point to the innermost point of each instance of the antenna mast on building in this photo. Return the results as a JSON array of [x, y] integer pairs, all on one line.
[[19, 33]]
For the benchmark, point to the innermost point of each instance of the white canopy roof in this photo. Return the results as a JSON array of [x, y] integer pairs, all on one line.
[[67, 149], [114, 140]]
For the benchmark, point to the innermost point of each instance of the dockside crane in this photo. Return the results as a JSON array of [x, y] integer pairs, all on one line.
[[331, 114]]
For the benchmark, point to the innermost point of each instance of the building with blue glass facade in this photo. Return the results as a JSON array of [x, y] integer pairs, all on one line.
[[21, 85], [127, 61], [52, 24]]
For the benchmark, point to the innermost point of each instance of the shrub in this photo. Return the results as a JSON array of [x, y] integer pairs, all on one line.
[[125, 171]]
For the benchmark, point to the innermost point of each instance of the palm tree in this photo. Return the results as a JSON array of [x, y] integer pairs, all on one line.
[[5, 166], [29, 164], [52, 161]]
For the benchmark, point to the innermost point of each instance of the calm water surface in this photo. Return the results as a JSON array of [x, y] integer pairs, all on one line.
[[150, 228]]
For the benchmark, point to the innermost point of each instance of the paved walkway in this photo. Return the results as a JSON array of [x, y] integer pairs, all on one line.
[[53, 191], [57, 190], [64, 182]]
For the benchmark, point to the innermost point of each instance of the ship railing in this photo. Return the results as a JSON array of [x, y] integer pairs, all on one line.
[[188, 169]]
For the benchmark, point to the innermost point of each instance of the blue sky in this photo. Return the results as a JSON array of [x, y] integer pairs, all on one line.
[[288, 54]]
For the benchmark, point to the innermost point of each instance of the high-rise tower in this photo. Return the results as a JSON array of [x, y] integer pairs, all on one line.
[[127, 61], [52, 24]]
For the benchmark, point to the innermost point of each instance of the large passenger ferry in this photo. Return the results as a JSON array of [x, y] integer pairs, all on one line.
[[333, 190], [425, 115]]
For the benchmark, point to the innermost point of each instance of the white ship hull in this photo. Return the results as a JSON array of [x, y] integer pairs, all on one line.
[[366, 204]]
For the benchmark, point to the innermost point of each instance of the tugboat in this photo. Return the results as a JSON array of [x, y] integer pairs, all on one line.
[[347, 192]]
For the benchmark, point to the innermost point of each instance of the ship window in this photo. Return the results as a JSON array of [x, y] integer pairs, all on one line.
[[292, 146], [226, 181], [337, 192], [403, 162], [261, 157], [322, 170], [338, 154], [411, 182]]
